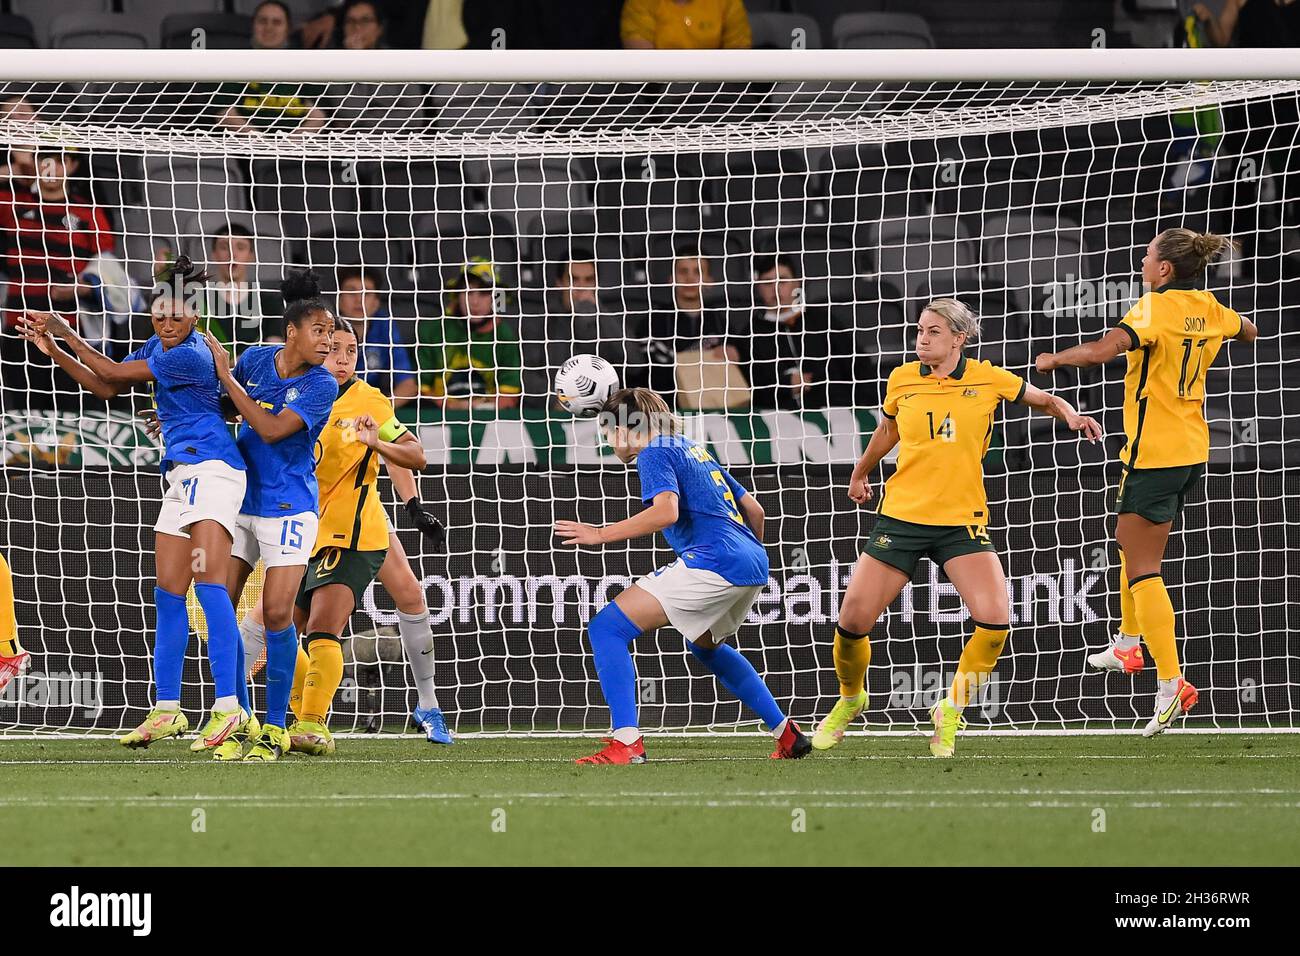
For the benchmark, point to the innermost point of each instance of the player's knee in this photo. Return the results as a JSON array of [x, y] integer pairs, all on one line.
[[407, 595], [612, 624], [855, 621], [277, 619]]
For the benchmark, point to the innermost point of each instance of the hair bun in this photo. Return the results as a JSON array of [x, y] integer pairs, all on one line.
[[299, 285]]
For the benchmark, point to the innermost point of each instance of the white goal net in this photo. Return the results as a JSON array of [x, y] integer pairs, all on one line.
[[650, 222]]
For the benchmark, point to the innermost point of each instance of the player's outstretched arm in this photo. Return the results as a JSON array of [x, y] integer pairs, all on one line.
[[118, 376], [1249, 331], [1060, 409], [271, 428], [661, 513], [1107, 348], [82, 375]]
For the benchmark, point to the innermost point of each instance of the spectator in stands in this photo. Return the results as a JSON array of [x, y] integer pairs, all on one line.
[[403, 19], [383, 359], [471, 359], [272, 26], [280, 106], [685, 25], [18, 171], [790, 348], [362, 24], [693, 327], [51, 239], [236, 308]]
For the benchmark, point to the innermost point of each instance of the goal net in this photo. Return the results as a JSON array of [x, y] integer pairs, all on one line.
[[649, 222]]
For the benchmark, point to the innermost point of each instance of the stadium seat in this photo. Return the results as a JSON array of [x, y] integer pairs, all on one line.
[[924, 254], [307, 195], [481, 108], [97, 31], [861, 187], [149, 16], [780, 31], [369, 107], [1034, 257], [882, 31], [221, 31], [16, 33], [525, 188], [826, 12], [179, 188], [40, 13]]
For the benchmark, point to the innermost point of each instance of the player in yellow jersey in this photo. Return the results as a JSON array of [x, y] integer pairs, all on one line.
[[1172, 336], [13, 659], [939, 411], [353, 545]]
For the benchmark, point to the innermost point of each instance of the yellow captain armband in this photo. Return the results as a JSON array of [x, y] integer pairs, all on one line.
[[391, 430]]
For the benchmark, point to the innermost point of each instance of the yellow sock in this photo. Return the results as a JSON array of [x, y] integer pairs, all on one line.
[[978, 659], [1155, 616], [9, 646], [852, 656], [1128, 620], [299, 678], [324, 676]]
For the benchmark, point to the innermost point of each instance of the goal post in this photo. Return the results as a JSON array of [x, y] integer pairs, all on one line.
[[606, 196]]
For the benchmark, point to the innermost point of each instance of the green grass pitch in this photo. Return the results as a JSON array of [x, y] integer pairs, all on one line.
[[1178, 800]]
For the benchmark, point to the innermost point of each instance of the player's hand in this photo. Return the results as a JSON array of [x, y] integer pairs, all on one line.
[[220, 357], [429, 526], [152, 426], [31, 326], [317, 31], [367, 431], [1046, 362], [860, 491], [1086, 424], [575, 533]]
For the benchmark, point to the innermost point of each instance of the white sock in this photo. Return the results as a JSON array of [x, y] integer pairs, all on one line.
[[1126, 642], [779, 729], [167, 705], [226, 704], [254, 635], [1168, 688], [417, 642], [627, 735]]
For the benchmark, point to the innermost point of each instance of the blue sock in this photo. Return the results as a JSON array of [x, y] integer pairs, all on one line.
[[738, 676], [281, 657], [241, 682], [611, 632], [223, 635], [170, 640]]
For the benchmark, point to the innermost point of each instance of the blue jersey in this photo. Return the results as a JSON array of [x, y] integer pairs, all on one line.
[[188, 397], [710, 532], [282, 477]]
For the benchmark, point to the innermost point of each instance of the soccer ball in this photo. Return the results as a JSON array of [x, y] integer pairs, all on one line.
[[583, 383]]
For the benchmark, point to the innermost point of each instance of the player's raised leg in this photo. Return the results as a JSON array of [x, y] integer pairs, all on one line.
[[1124, 653], [13, 659], [872, 588], [980, 581]]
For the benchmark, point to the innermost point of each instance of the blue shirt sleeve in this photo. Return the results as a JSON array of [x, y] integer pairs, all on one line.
[[655, 467], [182, 366], [315, 399], [140, 354]]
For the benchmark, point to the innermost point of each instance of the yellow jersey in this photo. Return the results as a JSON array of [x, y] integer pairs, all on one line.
[[944, 429], [1175, 332], [692, 25], [351, 515]]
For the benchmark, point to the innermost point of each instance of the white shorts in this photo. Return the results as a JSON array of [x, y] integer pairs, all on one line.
[[697, 600], [203, 491], [282, 541]]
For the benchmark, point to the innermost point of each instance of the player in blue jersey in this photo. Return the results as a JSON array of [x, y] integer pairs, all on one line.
[[204, 479], [716, 529], [284, 395]]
